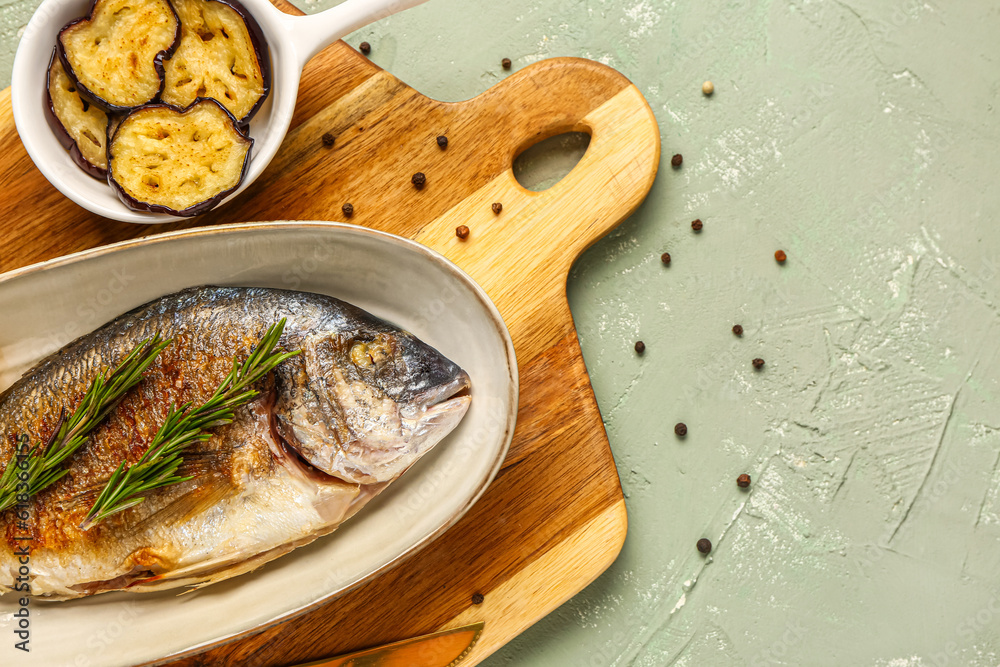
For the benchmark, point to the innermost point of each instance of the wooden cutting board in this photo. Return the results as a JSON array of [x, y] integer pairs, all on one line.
[[554, 518]]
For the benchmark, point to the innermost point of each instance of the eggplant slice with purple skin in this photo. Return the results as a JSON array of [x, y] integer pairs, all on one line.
[[183, 162], [222, 55], [115, 54], [79, 124]]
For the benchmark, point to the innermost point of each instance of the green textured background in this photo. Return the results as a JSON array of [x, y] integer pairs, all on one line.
[[862, 138]]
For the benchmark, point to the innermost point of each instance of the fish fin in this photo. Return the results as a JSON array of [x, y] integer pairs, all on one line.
[[226, 568], [83, 497], [208, 490], [196, 576], [202, 463]]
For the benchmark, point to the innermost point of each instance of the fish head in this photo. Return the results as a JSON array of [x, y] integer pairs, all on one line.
[[363, 406]]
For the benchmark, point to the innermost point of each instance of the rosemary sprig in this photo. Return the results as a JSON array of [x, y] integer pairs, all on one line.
[[43, 463], [185, 426]]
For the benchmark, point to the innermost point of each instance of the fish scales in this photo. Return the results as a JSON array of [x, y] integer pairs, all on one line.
[[332, 427]]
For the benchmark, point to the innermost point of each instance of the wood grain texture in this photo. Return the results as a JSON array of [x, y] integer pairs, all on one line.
[[554, 518]]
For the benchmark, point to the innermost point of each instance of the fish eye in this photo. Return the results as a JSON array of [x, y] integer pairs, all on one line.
[[372, 352], [361, 356]]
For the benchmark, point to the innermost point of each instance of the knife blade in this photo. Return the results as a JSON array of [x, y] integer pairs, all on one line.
[[445, 648]]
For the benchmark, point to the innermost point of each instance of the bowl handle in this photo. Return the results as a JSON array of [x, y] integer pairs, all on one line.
[[311, 34]]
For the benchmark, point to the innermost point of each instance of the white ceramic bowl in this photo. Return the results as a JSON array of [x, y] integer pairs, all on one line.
[[292, 41]]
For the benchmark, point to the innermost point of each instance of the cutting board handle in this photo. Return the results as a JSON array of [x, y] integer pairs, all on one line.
[[547, 230], [620, 163]]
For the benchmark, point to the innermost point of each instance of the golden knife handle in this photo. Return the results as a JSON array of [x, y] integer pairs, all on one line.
[[445, 648]]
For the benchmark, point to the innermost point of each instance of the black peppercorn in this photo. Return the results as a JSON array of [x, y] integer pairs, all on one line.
[[505, 63], [497, 207], [442, 141], [418, 180], [328, 139], [462, 232], [704, 546], [738, 329], [696, 225], [676, 160], [665, 258], [365, 47], [640, 347], [758, 363], [743, 481], [348, 209], [681, 429]]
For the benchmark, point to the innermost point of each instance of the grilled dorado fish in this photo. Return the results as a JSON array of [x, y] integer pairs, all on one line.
[[332, 427]]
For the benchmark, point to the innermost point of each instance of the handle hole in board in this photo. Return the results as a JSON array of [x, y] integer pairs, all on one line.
[[544, 164]]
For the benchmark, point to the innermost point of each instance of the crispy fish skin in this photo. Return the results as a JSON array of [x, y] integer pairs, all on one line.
[[333, 426]]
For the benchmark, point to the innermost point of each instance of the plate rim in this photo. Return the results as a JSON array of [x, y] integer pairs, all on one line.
[[443, 262]]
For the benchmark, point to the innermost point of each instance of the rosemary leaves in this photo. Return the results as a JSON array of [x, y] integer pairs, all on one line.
[[41, 466], [185, 426]]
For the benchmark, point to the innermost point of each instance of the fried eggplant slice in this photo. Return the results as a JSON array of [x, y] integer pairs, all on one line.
[[183, 162], [222, 55], [80, 125], [115, 53]]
